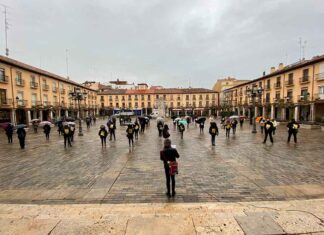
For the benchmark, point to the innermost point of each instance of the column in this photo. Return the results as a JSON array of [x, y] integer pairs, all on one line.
[[217, 112], [209, 112], [243, 111], [66, 113], [59, 113], [13, 116], [312, 112], [51, 114], [41, 115], [264, 110], [296, 116], [28, 116], [283, 114], [272, 115], [255, 111], [249, 113]]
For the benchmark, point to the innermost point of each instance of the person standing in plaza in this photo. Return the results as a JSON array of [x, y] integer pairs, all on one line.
[[67, 135], [136, 129], [72, 131], [213, 131], [130, 135], [169, 157], [166, 133], [181, 129], [112, 128], [103, 133], [234, 125], [9, 132], [47, 131], [160, 128], [201, 127], [262, 121], [143, 123], [241, 122], [268, 130], [21, 136], [228, 127], [293, 127], [275, 124]]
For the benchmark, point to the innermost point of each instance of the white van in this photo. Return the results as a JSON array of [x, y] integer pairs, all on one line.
[[154, 114]]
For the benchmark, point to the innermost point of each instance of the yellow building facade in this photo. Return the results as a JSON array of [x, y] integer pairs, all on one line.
[[190, 101], [293, 91], [27, 92]]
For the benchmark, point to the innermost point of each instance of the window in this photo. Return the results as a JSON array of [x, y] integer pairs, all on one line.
[[171, 104], [117, 105], [157, 96], [149, 97], [171, 97], [110, 98], [289, 94], [2, 75], [200, 97], [194, 97], [129, 97], [54, 87], [142, 97], [207, 103], [129, 104], [178, 104], [136, 104], [278, 95], [200, 103], [33, 99], [290, 78], [3, 96], [278, 81], [123, 98], [19, 80], [45, 100], [116, 97], [267, 97], [260, 84], [178, 97], [142, 105], [305, 74], [20, 95], [148, 104], [136, 97], [304, 92], [187, 97], [187, 104], [268, 84], [194, 104], [207, 96], [102, 98], [111, 104], [321, 90]]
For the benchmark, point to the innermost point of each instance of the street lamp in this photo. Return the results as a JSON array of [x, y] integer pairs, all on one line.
[[253, 93], [77, 95]]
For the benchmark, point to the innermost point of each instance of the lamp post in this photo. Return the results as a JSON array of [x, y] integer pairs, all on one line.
[[78, 96], [253, 93]]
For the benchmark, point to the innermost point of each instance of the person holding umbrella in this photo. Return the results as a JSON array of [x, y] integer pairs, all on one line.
[[103, 133], [201, 126], [213, 131], [228, 127], [47, 130], [35, 125], [72, 131], [21, 136], [143, 123], [181, 129], [9, 132], [234, 125]]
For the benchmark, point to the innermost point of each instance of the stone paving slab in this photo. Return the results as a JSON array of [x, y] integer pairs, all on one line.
[[289, 217], [237, 169]]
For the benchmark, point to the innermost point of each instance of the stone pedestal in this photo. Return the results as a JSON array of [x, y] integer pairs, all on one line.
[[312, 112], [13, 116]]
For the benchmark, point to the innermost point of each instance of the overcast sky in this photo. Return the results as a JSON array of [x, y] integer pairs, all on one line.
[[162, 42]]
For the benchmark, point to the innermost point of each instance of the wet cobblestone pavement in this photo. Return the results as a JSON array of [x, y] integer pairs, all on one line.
[[240, 168]]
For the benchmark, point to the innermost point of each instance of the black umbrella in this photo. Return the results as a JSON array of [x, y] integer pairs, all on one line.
[[201, 119], [69, 119]]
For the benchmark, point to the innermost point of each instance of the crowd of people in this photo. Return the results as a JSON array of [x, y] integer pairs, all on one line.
[[169, 153]]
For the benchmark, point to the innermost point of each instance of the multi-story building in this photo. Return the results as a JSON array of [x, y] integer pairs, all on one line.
[[27, 92], [292, 91], [189, 101]]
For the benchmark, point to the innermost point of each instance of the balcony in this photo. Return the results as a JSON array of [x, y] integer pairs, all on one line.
[[21, 103], [277, 85], [319, 96], [46, 103], [289, 83], [267, 87], [62, 91], [33, 85], [56, 104], [54, 89], [20, 82], [266, 101], [319, 77], [45, 87], [304, 80], [4, 79], [62, 104], [5, 103], [303, 98]]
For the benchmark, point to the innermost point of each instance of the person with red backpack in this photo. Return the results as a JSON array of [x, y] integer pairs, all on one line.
[[169, 157], [213, 131]]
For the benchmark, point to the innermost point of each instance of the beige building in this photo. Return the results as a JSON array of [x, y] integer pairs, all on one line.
[[292, 91], [176, 101], [27, 92]]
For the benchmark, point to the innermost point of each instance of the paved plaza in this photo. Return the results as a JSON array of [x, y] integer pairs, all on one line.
[[237, 169]]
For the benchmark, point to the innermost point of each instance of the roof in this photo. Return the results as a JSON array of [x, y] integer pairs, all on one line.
[[33, 69], [155, 91], [286, 69]]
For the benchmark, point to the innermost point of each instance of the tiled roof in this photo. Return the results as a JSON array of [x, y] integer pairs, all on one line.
[[156, 91], [33, 69]]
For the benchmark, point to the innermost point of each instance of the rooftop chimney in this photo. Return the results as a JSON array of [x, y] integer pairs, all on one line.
[[281, 66], [272, 70], [263, 73]]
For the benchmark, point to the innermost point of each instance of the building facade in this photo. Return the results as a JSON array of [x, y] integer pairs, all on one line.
[[180, 102], [27, 92], [293, 91]]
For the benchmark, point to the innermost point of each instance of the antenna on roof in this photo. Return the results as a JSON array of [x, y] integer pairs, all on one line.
[[6, 27], [302, 46], [67, 63]]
